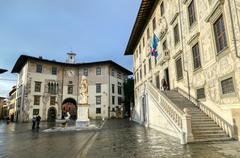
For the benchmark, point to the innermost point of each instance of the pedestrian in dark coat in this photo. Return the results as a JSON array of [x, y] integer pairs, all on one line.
[[38, 119], [33, 122]]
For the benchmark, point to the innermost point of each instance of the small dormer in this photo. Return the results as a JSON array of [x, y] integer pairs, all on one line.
[[71, 58]]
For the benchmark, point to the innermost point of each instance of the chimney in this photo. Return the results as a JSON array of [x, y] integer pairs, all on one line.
[[71, 58]]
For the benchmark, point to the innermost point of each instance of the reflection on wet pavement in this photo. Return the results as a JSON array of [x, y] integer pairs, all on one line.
[[118, 138]]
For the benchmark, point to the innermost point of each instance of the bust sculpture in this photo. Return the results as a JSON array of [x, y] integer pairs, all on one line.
[[84, 90]]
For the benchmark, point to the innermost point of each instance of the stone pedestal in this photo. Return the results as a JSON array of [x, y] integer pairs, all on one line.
[[82, 116]]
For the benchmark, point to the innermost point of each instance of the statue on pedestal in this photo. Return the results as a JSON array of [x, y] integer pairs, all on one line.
[[82, 112], [84, 91]]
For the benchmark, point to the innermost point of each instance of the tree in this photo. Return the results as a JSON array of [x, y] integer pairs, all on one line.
[[128, 88]]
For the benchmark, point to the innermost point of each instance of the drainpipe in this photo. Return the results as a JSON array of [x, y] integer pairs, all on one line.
[[184, 69], [237, 15], [232, 24]]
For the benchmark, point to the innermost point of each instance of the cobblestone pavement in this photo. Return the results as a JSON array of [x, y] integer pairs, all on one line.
[[118, 138]]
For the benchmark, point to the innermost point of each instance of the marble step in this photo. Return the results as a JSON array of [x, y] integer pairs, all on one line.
[[201, 119], [210, 135], [204, 125], [208, 132], [206, 128], [212, 139], [203, 122]]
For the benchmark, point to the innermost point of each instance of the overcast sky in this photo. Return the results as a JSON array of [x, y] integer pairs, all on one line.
[[94, 29]]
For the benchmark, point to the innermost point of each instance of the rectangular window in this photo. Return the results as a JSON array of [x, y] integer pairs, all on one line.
[[196, 56], [137, 76], [150, 64], [119, 100], [179, 68], [113, 88], [113, 73], [39, 68], [140, 74], [36, 100], [220, 35], [113, 100], [119, 88], [139, 49], [98, 88], [200, 93], [98, 71], [70, 89], [52, 100], [98, 110], [191, 13], [164, 45], [148, 33], [162, 9], [98, 100], [35, 111], [119, 75], [37, 87], [143, 41], [145, 70], [54, 70], [176, 34], [154, 23], [227, 86], [85, 71]]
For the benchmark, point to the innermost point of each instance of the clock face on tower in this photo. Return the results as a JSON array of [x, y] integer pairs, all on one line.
[[70, 73]]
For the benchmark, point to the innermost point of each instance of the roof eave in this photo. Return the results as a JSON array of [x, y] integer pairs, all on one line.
[[145, 11]]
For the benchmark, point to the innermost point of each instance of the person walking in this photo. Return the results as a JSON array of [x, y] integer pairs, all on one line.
[[38, 119], [164, 85], [33, 122]]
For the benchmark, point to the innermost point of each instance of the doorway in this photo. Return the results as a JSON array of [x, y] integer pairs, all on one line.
[[52, 114], [69, 105], [166, 77], [157, 82]]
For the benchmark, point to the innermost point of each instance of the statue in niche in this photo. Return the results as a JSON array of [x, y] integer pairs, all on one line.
[[84, 90]]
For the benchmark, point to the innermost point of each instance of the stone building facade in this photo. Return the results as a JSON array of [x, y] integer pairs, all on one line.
[[198, 52], [12, 105], [50, 88]]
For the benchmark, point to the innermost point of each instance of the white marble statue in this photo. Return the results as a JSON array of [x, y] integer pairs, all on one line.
[[84, 91], [67, 117]]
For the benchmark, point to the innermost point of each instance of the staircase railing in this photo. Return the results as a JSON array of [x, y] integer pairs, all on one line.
[[227, 127], [180, 119]]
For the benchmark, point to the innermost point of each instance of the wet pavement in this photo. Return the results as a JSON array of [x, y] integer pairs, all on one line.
[[117, 138]]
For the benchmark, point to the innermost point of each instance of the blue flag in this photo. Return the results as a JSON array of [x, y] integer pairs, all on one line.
[[155, 41]]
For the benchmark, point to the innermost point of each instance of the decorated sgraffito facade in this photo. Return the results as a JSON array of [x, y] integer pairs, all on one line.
[[51, 89], [197, 53]]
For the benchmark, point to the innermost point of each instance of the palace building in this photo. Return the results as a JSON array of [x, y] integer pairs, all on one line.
[[186, 56], [51, 88]]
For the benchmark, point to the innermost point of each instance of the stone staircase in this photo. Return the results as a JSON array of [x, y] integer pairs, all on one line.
[[203, 127]]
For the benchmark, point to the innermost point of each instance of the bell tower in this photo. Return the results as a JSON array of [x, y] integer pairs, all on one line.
[[71, 58]]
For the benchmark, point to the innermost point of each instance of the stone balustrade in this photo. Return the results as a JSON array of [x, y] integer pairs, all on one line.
[[227, 127], [181, 119]]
